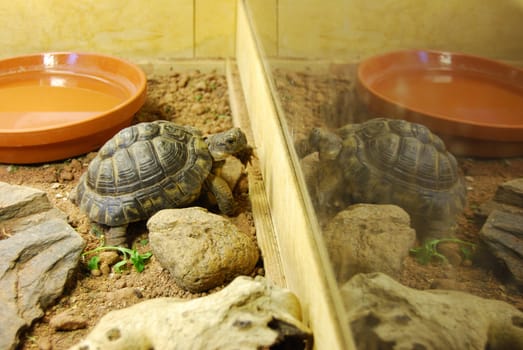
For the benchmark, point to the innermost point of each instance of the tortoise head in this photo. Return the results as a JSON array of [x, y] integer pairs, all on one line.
[[223, 144], [327, 143]]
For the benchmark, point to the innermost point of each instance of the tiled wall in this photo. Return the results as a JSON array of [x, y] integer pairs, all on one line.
[[296, 28], [353, 29], [129, 28]]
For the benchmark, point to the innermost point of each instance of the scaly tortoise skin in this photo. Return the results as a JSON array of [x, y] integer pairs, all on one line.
[[388, 161], [148, 167]]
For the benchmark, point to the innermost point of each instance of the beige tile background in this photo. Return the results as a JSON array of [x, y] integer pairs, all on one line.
[[264, 14], [187, 29], [353, 29], [215, 26], [129, 28]]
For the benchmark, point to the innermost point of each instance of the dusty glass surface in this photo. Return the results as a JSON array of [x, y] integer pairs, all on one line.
[[394, 135]]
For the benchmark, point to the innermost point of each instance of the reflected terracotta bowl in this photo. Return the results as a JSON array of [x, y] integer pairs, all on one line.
[[474, 104], [59, 105]]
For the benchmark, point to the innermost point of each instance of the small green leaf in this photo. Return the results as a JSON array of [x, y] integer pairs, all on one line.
[[467, 253], [129, 255], [139, 265], [429, 250], [12, 168], [97, 230], [93, 263], [422, 255], [118, 266], [138, 260]]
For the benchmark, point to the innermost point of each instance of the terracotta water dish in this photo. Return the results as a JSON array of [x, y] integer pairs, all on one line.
[[58, 105], [475, 104]]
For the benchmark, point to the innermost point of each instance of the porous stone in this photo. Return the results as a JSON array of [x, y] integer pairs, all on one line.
[[383, 314], [369, 238], [201, 250], [247, 314]]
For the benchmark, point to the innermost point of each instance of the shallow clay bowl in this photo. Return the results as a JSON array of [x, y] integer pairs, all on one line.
[[59, 105], [474, 104]]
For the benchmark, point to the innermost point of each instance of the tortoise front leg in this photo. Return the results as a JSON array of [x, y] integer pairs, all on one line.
[[116, 236], [222, 192]]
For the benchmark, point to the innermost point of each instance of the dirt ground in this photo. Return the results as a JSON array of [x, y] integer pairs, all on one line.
[[201, 100], [192, 98]]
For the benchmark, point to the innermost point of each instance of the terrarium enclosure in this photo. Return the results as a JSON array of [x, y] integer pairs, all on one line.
[[288, 68], [308, 59]]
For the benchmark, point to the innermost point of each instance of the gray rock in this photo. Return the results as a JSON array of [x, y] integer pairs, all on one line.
[[247, 314], [201, 250], [369, 238], [20, 201], [502, 232], [22, 207], [383, 314], [508, 198], [37, 258], [511, 193], [503, 235]]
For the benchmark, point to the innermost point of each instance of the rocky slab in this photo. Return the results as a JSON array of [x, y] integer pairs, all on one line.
[[508, 198], [503, 235], [38, 256], [502, 232]]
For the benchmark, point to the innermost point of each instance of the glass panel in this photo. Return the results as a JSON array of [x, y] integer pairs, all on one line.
[[406, 122]]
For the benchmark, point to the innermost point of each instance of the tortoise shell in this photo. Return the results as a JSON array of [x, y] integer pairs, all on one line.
[[143, 169], [389, 161]]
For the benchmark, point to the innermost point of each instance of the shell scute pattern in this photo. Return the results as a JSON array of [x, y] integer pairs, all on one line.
[[148, 170], [124, 181], [407, 152], [171, 156], [392, 162], [143, 169]]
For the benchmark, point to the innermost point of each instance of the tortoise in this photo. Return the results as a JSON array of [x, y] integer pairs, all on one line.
[[386, 161], [152, 166]]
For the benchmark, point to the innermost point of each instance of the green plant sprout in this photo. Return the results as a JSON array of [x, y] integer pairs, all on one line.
[[132, 256], [12, 168], [94, 263], [429, 250]]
